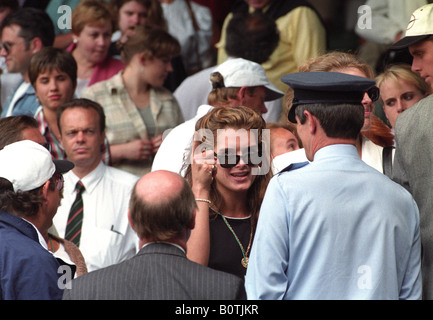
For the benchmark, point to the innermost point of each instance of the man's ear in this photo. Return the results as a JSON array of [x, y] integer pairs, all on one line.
[[241, 95], [45, 190], [143, 57], [130, 220], [311, 121], [36, 45]]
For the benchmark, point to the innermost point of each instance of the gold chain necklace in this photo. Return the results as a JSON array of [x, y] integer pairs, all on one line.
[[245, 259]]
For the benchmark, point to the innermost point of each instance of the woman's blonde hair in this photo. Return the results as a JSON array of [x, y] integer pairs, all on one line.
[[91, 12], [403, 72], [236, 118]]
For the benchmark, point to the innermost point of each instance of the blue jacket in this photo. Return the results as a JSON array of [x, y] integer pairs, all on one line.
[[27, 270], [27, 104]]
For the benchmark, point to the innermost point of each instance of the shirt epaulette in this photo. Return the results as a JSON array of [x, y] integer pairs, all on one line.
[[294, 166]]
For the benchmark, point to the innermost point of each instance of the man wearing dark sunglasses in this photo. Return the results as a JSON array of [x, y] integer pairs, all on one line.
[[23, 33]]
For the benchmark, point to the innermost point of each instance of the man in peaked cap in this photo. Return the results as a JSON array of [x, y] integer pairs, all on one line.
[[414, 140], [323, 231], [30, 192]]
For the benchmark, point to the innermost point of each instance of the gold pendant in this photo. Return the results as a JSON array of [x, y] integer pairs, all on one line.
[[244, 262]]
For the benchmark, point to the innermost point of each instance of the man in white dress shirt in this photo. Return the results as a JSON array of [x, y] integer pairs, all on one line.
[[104, 236]]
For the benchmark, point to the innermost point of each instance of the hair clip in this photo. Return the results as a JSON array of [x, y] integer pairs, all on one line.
[[220, 83]]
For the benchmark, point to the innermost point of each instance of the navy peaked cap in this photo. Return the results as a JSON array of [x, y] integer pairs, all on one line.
[[329, 88]]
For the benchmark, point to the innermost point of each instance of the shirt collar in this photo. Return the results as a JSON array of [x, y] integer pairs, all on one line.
[[90, 181], [336, 150], [40, 237], [56, 147], [43, 125], [116, 36], [116, 85], [170, 243], [202, 110]]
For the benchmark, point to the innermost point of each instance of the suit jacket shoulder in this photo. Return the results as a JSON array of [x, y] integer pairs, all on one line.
[[159, 271], [411, 117], [413, 140]]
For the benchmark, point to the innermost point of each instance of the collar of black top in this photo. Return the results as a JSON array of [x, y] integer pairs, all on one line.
[[325, 87]]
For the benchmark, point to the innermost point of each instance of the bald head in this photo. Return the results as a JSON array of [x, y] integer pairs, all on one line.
[[159, 186], [162, 206]]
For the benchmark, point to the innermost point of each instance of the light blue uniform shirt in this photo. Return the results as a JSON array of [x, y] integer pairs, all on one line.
[[335, 229]]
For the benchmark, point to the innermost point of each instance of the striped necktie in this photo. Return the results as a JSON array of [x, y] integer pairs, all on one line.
[[75, 219]]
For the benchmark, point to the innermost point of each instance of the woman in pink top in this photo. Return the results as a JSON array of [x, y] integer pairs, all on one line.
[[92, 26]]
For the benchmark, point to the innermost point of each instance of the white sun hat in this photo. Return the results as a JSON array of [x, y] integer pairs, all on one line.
[[420, 27], [28, 165], [240, 72]]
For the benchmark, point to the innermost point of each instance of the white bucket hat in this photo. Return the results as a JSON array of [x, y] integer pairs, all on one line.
[[420, 27], [239, 72], [28, 165]]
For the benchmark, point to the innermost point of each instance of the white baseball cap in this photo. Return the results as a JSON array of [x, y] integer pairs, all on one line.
[[238, 72], [28, 165], [420, 27]]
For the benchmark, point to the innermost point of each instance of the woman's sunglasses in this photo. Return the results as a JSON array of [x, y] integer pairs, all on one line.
[[229, 161], [373, 93]]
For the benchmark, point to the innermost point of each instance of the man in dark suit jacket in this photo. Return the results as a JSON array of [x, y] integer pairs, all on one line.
[[162, 212], [414, 140]]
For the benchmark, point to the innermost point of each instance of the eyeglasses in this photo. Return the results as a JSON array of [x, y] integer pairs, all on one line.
[[8, 45], [228, 161], [373, 93]]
